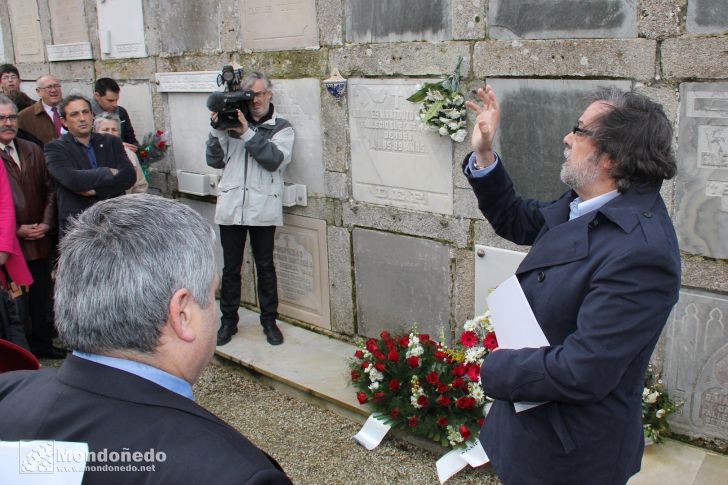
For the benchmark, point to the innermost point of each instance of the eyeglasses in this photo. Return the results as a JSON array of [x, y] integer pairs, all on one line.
[[11, 118], [259, 94], [581, 131], [51, 86], [9, 77]]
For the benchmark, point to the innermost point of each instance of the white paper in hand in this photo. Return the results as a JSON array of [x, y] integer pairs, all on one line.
[[372, 433]]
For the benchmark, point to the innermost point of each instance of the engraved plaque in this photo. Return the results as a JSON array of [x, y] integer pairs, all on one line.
[[701, 198], [121, 29], [302, 269], [3, 57], [279, 24], [69, 52], [299, 101], [394, 161], [137, 100], [187, 82], [189, 121], [188, 25], [68, 21], [696, 364], [25, 24], [397, 20], [562, 19]]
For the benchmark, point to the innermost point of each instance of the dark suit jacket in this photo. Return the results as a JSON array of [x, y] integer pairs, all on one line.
[[35, 120], [70, 167], [601, 287], [115, 410]]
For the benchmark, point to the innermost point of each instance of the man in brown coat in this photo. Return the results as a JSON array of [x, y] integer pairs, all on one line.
[[42, 119], [34, 199]]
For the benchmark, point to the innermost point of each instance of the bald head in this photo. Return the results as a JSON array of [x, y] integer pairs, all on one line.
[[48, 88]]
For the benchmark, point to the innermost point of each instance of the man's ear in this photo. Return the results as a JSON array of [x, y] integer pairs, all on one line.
[[180, 315]]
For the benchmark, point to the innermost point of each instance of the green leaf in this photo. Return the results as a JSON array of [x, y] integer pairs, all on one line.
[[419, 96], [433, 109]]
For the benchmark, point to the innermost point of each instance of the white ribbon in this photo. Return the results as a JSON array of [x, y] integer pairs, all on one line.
[[372, 433], [454, 461]]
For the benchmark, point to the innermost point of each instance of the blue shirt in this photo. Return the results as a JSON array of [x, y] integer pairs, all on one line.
[[90, 153], [145, 371]]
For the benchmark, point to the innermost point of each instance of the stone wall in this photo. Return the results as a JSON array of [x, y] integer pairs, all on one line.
[[392, 224]]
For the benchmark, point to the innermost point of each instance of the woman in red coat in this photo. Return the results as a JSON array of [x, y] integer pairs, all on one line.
[[11, 256]]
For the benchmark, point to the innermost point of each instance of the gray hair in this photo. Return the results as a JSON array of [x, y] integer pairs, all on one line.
[[120, 263], [106, 116], [5, 101], [253, 76]]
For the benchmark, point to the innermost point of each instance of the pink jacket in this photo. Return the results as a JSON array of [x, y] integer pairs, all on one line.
[[15, 264]]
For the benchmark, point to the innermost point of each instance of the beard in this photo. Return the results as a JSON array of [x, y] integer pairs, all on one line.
[[581, 173]]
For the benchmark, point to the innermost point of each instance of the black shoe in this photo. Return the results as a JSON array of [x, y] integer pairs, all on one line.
[[273, 334], [225, 333], [52, 353]]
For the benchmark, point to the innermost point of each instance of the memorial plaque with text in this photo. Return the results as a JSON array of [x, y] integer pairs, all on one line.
[[701, 198], [25, 25], [121, 29], [398, 20], [137, 100], [188, 26], [562, 19], [696, 364], [3, 56], [279, 24], [535, 116], [401, 280], [707, 16], [394, 161], [302, 269], [70, 32], [299, 101], [190, 125]]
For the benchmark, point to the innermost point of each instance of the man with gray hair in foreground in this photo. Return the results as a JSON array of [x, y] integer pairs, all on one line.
[[135, 300]]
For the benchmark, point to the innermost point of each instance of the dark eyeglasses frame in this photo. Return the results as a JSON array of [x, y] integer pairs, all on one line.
[[576, 130]]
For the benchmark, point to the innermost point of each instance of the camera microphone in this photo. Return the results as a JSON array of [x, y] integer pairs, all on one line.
[[216, 102]]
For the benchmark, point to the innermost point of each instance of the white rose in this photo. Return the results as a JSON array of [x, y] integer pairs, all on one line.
[[443, 131], [660, 413], [374, 386], [459, 136]]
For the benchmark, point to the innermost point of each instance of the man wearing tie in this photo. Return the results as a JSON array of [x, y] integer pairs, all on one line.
[[43, 118]]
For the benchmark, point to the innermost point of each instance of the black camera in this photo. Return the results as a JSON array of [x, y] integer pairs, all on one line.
[[227, 103]]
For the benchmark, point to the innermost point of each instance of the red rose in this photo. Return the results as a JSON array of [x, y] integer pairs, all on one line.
[[394, 413], [468, 338], [472, 371], [364, 364], [422, 400], [161, 143], [490, 341], [378, 355], [481, 420], [377, 396], [393, 355], [159, 133], [393, 385], [379, 366], [442, 421], [413, 361], [361, 397], [465, 402], [424, 338], [444, 400], [390, 344], [439, 354], [354, 375], [433, 378], [457, 382], [464, 432], [358, 354], [385, 335], [442, 388], [458, 369], [143, 153], [404, 341], [372, 345], [412, 421]]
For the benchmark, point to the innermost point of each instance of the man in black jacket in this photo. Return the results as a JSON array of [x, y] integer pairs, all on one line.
[[135, 299], [106, 98]]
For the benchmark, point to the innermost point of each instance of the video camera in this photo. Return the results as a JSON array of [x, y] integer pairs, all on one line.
[[227, 103]]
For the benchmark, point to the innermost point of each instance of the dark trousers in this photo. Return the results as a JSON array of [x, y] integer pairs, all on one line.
[[36, 306], [232, 239]]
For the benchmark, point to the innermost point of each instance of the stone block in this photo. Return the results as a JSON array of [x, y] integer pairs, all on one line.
[[330, 17], [659, 19], [121, 29], [188, 26], [701, 201], [159, 182], [137, 100], [486, 236], [536, 114], [278, 25], [192, 63], [559, 19], [401, 280], [623, 58], [468, 19], [411, 59], [28, 44], [143, 68], [709, 274], [372, 21], [4, 56], [463, 289], [341, 289], [394, 162], [696, 364], [318, 208], [337, 185], [707, 16], [82, 70], [466, 205], [334, 136], [454, 230], [695, 58]]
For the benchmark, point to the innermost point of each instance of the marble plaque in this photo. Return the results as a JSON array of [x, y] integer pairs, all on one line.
[[492, 267], [121, 29], [69, 52], [3, 56], [302, 269], [137, 100], [701, 199], [207, 211], [562, 19], [401, 280], [696, 364], [397, 20], [299, 101], [189, 126], [25, 25], [279, 24], [535, 116], [187, 82], [707, 16], [395, 162], [68, 21], [188, 26]]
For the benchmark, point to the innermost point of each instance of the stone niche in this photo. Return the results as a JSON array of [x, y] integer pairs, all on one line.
[[707, 16], [25, 26], [696, 364], [188, 26], [701, 198], [535, 116], [401, 280], [397, 20], [278, 25], [562, 19], [70, 32], [394, 162], [121, 29]]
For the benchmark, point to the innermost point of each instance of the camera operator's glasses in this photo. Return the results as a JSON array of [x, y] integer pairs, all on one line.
[[259, 94]]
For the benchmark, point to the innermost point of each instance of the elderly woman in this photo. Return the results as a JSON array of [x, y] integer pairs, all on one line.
[[110, 123]]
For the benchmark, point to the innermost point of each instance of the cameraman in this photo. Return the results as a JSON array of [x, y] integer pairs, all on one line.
[[253, 156]]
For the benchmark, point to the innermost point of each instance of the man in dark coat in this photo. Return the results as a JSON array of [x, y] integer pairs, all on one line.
[[10, 86], [106, 99], [601, 277], [87, 166], [135, 299]]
